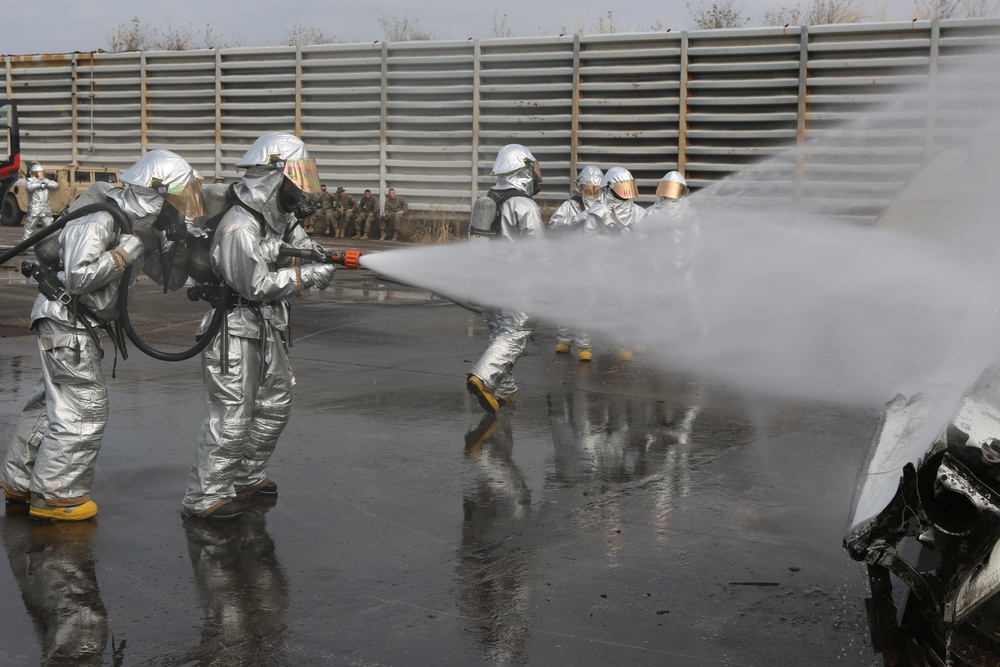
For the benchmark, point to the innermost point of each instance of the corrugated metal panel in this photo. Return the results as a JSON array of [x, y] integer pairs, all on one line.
[[630, 104], [341, 107], [429, 111], [526, 97], [427, 118]]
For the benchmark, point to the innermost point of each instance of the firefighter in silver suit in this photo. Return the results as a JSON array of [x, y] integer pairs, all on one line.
[[51, 462], [39, 207], [615, 211], [248, 380], [519, 179], [615, 214], [569, 217]]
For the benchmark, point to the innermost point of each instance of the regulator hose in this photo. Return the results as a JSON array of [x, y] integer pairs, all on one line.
[[125, 227]]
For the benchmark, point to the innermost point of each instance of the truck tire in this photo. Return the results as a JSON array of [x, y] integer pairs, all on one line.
[[10, 214]]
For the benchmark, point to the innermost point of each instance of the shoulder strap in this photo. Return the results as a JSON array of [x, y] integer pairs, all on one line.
[[499, 197]]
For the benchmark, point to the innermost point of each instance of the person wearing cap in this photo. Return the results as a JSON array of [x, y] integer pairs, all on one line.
[[367, 209], [343, 214], [391, 219], [39, 208]]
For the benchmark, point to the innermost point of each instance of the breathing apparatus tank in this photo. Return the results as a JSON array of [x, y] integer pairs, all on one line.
[[47, 250], [199, 264], [482, 223]]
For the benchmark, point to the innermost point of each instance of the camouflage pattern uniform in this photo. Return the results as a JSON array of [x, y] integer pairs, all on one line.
[[343, 214], [392, 222], [323, 220], [367, 210]]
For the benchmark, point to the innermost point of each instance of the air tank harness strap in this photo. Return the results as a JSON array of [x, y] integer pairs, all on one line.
[[52, 289], [265, 332]]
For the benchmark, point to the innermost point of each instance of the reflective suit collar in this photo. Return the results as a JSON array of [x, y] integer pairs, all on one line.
[[519, 180], [134, 206], [253, 194]]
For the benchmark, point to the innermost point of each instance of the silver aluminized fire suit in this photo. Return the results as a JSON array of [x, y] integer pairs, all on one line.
[[59, 434], [520, 219], [39, 208], [615, 211], [249, 385], [570, 217]]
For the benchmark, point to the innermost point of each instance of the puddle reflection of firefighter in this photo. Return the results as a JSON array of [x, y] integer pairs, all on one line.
[[243, 590], [54, 567], [494, 583], [610, 439]]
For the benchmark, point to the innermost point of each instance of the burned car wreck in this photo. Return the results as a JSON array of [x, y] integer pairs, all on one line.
[[930, 551]]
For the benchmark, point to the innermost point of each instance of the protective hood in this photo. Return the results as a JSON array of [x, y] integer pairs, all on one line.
[[274, 157], [672, 186], [588, 183], [164, 175], [516, 167], [523, 180], [619, 181]]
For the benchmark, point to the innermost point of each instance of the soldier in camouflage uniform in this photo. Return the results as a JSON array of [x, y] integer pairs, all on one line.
[[392, 216], [343, 214], [323, 220], [367, 210]]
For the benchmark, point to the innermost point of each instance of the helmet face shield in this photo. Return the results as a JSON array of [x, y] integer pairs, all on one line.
[[188, 198], [671, 189], [303, 172], [590, 190], [625, 189]]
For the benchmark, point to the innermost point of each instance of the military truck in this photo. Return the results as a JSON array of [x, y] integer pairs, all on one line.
[[73, 182]]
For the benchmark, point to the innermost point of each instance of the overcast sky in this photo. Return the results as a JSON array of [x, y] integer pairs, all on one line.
[[64, 26]]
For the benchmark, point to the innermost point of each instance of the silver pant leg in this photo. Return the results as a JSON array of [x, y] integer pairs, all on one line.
[[62, 426], [509, 331], [245, 418], [569, 335], [31, 427]]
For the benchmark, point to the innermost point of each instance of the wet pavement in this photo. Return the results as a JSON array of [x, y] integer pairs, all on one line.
[[617, 515]]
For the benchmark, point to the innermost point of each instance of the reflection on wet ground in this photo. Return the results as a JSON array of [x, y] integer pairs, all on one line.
[[617, 514], [55, 572]]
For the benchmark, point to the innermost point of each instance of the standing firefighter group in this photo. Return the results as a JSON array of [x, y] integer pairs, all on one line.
[[254, 246], [603, 204], [147, 226]]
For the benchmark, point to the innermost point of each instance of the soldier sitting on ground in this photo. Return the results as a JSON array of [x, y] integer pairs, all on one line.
[[365, 218], [392, 218], [344, 207]]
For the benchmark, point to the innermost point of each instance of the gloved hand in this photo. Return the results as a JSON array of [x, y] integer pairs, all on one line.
[[129, 249], [317, 275], [269, 249]]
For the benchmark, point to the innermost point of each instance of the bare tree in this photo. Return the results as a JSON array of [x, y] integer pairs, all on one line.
[[783, 16], [402, 29], [823, 12], [303, 35], [138, 36], [500, 26], [955, 9], [132, 36], [722, 14]]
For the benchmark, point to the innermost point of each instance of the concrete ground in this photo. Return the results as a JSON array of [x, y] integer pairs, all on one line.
[[619, 514]]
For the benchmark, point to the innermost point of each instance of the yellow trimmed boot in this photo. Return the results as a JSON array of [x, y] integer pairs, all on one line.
[[40, 509], [12, 496], [562, 348], [585, 355], [486, 397]]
